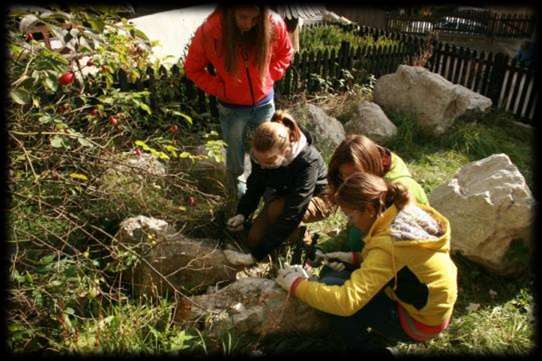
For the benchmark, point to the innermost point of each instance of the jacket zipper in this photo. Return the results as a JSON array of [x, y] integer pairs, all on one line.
[[245, 58]]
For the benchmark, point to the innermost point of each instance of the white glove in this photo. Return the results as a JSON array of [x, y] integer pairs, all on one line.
[[239, 259], [235, 223], [286, 276]]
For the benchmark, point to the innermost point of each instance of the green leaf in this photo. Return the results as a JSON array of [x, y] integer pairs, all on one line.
[[142, 144], [20, 96], [57, 142], [69, 311], [36, 102], [17, 276], [186, 117], [84, 142], [163, 155], [47, 259], [145, 107], [51, 83]]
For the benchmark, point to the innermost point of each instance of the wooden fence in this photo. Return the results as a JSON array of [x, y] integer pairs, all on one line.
[[465, 23], [510, 85]]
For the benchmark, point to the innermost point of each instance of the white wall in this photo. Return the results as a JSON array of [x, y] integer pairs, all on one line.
[[173, 28]]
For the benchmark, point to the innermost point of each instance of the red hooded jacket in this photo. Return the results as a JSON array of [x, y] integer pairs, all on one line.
[[248, 88]]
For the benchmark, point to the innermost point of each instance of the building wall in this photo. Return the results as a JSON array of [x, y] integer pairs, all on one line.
[[368, 16]]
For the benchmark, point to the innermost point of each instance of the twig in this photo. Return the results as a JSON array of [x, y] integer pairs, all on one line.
[[26, 155], [158, 273]]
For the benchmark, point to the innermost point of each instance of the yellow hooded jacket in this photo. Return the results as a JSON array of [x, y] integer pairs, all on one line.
[[418, 273]]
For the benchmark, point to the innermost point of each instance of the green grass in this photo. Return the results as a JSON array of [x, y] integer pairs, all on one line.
[[493, 314]]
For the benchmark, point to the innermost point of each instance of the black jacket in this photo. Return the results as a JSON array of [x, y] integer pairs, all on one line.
[[304, 177]]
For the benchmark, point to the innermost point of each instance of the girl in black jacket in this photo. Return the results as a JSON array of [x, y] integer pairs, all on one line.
[[290, 174]]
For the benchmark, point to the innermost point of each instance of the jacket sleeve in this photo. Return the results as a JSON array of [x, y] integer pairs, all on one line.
[[255, 189], [295, 205], [345, 300], [283, 52], [195, 67], [334, 244]]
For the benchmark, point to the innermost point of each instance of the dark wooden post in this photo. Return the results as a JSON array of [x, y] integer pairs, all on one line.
[[343, 56], [496, 77]]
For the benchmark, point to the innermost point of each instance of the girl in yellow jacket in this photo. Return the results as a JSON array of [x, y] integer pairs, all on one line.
[[406, 285], [358, 153]]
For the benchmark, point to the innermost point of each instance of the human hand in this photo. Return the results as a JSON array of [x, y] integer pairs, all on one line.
[[345, 257], [235, 223], [337, 260], [289, 274]]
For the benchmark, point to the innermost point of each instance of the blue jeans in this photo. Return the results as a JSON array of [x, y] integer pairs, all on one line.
[[237, 127], [380, 314]]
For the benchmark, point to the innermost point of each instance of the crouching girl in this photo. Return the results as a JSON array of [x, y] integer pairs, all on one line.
[[403, 284], [358, 153], [290, 174]]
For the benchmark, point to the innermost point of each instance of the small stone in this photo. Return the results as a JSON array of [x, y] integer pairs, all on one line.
[[472, 307]]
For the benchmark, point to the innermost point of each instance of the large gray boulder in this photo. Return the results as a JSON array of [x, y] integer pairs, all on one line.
[[255, 306], [209, 171], [369, 119], [435, 101], [189, 265], [326, 131], [490, 209]]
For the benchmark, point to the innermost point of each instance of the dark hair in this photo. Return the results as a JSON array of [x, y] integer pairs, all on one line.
[[366, 155], [361, 188], [258, 39]]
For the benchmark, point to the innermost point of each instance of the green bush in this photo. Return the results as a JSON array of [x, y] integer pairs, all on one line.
[[330, 37]]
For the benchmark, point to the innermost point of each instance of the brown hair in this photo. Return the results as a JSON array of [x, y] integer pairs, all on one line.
[[366, 155], [258, 39], [361, 188], [270, 134]]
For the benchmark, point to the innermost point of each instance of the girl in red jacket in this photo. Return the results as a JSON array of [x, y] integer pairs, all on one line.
[[249, 48]]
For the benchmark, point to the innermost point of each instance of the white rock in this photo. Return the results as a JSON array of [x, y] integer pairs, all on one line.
[[188, 264], [370, 120], [435, 101], [488, 204], [266, 309]]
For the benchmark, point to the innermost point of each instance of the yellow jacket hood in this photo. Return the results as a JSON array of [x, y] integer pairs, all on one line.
[[415, 225]]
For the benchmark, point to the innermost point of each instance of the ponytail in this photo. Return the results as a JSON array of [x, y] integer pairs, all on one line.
[[360, 189], [398, 195], [284, 118]]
